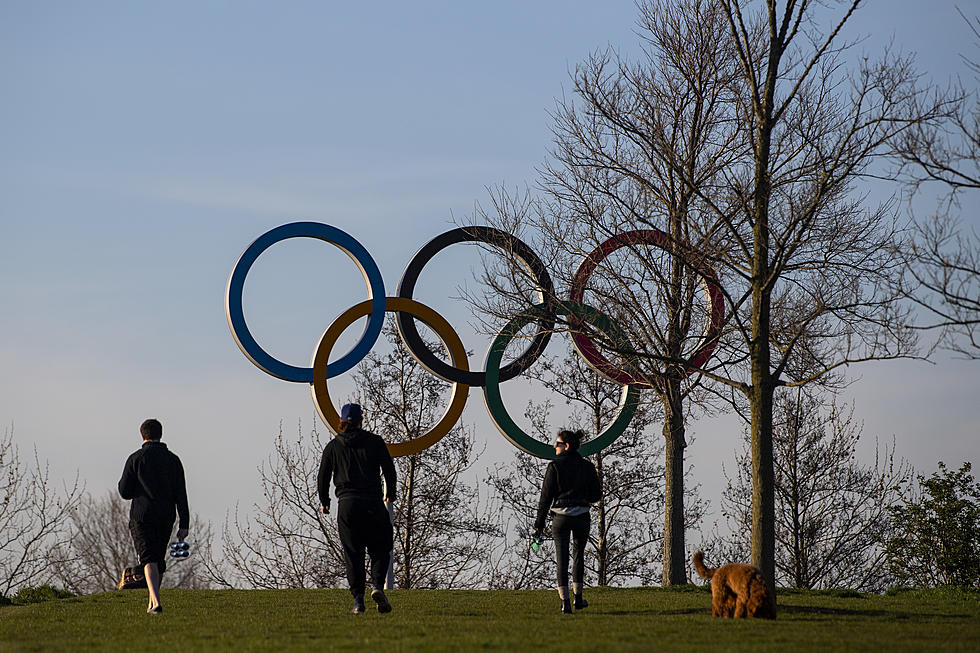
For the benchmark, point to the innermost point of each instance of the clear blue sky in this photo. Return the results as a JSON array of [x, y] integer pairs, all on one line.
[[143, 145]]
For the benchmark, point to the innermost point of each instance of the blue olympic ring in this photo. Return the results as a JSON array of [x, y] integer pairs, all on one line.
[[236, 285]]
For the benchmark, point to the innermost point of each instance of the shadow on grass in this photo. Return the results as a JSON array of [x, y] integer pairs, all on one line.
[[654, 613], [871, 614]]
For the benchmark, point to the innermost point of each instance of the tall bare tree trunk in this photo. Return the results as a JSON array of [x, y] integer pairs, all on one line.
[[791, 469], [602, 550], [763, 480], [763, 384], [675, 563], [763, 476], [407, 542]]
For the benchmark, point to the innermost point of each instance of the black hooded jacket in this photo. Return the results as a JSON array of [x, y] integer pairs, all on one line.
[[570, 480], [154, 479], [355, 460]]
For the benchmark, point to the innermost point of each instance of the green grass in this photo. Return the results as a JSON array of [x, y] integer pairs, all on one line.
[[640, 619]]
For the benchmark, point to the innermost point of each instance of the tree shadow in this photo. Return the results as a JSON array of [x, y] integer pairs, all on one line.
[[872, 614], [653, 613]]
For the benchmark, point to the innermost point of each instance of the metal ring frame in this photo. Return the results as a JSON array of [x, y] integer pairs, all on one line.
[[458, 372], [401, 305], [495, 405], [236, 287], [587, 349], [406, 325]]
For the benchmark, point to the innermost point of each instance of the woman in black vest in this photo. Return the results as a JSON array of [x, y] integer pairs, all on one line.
[[570, 486]]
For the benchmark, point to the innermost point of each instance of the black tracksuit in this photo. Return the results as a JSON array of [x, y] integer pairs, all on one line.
[[153, 478], [570, 481], [356, 460]]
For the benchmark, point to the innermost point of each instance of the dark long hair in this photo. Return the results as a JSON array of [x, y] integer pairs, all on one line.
[[572, 438]]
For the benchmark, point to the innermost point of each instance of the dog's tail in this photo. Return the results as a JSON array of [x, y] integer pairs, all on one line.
[[703, 572]]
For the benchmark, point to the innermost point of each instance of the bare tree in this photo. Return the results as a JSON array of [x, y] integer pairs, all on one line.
[[32, 525], [442, 533], [100, 546], [810, 269], [943, 279], [944, 276], [286, 542], [442, 528], [637, 147], [516, 488], [831, 510], [947, 152]]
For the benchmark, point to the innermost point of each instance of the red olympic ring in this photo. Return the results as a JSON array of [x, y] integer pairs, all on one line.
[[588, 350]]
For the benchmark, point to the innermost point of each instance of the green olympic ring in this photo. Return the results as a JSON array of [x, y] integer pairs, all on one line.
[[491, 391]]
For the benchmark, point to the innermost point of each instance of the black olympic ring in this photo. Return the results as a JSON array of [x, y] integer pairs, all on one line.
[[510, 244]]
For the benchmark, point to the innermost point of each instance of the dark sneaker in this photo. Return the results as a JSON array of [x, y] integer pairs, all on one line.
[[566, 606], [580, 603], [378, 596], [157, 610], [358, 605]]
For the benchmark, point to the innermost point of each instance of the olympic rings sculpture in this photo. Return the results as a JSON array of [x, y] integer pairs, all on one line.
[[457, 372]]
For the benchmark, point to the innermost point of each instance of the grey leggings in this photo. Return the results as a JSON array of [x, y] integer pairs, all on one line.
[[563, 526]]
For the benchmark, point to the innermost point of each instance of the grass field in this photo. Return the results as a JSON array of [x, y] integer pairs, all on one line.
[[640, 619]]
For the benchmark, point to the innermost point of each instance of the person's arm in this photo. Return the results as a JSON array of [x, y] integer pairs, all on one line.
[[129, 482], [323, 480], [388, 470], [183, 511], [547, 497]]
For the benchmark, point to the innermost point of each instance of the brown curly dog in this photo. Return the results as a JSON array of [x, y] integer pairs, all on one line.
[[737, 591]]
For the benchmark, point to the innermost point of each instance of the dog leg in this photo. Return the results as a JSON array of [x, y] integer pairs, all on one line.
[[739, 608]]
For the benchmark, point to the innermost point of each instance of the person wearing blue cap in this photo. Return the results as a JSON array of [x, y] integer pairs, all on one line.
[[356, 459]]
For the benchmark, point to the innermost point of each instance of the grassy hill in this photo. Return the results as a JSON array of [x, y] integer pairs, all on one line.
[[639, 619]]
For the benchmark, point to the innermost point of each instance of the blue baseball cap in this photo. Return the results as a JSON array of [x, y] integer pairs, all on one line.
[[350, 412]]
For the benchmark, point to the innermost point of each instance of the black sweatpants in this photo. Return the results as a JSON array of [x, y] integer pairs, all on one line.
[[363, 524], [576, 527]]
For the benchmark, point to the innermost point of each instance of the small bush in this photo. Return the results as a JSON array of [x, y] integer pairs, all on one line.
[[844, 593], [39, 594], [937, 532], [898, 590]]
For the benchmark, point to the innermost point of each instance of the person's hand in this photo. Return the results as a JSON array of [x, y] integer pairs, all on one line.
[[181, 534], [325, 509], [536, 541]]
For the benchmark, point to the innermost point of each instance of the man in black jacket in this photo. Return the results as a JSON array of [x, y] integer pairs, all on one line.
[[570, 486], [355, 459], [153, 479]]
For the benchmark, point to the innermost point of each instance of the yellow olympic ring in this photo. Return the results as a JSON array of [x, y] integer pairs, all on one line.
[[450, 339]]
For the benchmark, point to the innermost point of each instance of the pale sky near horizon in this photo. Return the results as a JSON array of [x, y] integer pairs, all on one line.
[[145, 145]]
